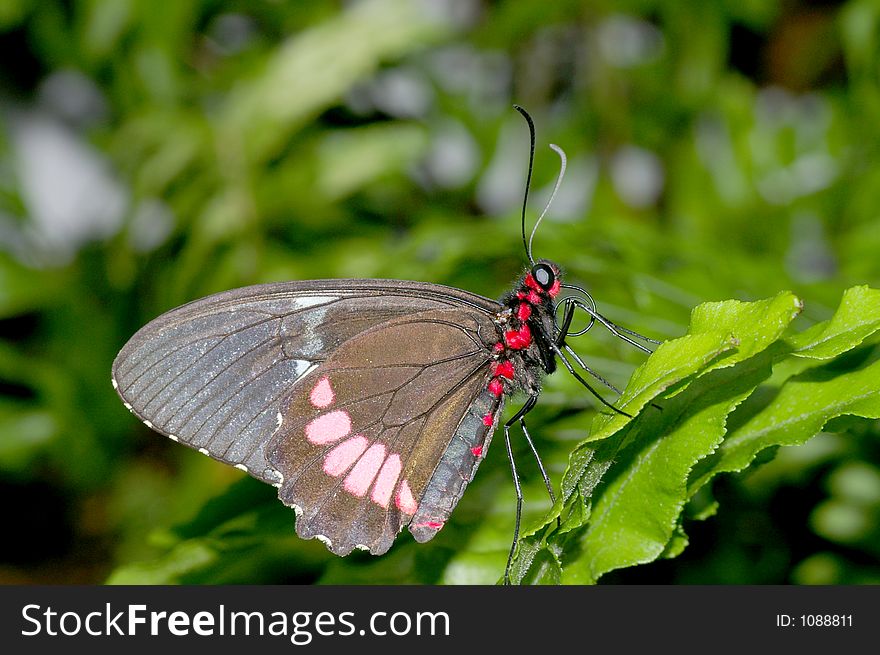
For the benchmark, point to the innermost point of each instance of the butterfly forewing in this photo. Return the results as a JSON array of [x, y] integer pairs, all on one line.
[[373, 437]]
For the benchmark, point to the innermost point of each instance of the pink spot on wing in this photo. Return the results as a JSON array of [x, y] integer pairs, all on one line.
[[328, 427], [322, 394], [340, 459], [387, 479], [405, 501], [477, 451], [436, 525], [363, 473]]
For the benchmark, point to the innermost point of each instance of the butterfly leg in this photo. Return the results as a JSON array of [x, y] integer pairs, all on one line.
[[522, 423], [519, 416], [560, 345], [584, 383], [589, 306]]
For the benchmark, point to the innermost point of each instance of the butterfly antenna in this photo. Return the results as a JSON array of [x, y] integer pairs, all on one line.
[[559, 177], [527, 244]]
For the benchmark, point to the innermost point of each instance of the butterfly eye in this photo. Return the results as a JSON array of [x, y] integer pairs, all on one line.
[[544, 276]]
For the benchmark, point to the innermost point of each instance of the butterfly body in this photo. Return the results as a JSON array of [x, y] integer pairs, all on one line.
[[368, 403]]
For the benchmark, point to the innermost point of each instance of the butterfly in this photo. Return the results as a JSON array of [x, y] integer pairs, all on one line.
[[368, 403]]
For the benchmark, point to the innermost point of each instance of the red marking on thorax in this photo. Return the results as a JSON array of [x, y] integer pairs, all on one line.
[[554, 289], [531, 296], [532, 284], [498, 347], [519, 339], [524, 311], [503, 369]]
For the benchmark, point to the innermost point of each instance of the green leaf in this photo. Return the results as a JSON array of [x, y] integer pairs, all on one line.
[[636, 513], [755, 325], [735, 328], [638, 479], [797, 412], [857, 318], [673, 362]]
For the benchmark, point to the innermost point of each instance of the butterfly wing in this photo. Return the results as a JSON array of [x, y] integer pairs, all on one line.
[[388, 431], [221, 373]]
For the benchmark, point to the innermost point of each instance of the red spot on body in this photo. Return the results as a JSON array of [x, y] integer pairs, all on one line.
[[518, 339], [524, 311], [554, 289], [496, 387], [477, 451], [488, 420], [530, 296], [503, 369], [498, 347], [532, 284]]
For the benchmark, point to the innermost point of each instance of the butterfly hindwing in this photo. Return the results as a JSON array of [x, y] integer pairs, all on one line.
[[388, 431]]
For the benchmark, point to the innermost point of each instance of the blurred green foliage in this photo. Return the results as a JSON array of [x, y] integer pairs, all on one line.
[[152, 153]]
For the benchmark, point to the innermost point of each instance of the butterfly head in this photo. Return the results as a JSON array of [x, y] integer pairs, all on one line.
[[541, 283]]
